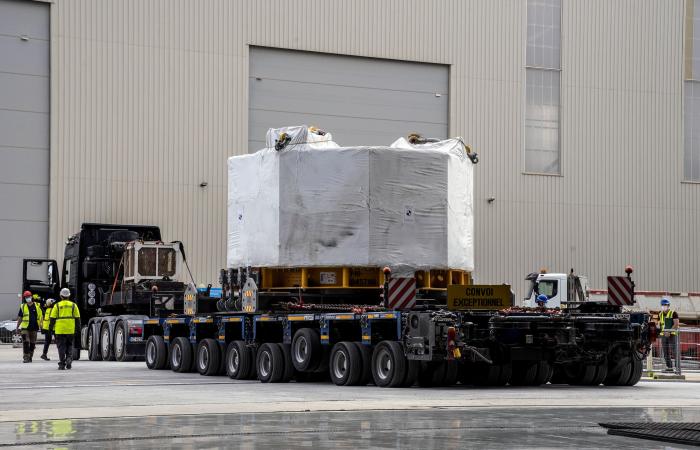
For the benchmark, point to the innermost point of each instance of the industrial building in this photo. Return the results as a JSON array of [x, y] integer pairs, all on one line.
[[586, 116]]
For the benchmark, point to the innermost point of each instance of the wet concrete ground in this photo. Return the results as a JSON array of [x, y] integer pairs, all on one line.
[[432, 429], [125, 405]]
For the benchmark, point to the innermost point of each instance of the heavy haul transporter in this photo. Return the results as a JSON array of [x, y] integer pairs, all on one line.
[[364, 324]]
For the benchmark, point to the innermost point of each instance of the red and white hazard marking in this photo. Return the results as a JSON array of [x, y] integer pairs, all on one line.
[[620, 291], [402, 293]]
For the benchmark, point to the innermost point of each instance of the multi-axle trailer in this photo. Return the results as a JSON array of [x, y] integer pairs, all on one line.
[[276, 335]]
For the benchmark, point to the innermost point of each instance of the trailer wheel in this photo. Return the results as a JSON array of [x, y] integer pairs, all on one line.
[[635, 371], [93, 348], [524, 373], [366, 355], [288, 366], [388, 364], [544, 373], [619, 372], [105, 344], [412, 371], [208, 357], [120, 342], [156, 353], [491, 374], [600, 374], [239, 360], [306, 350], [181, 355], [580, 374], [270, 363], [345, 364], [427, 373]]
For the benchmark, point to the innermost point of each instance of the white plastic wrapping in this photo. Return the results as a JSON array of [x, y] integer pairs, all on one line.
[[313, 203]]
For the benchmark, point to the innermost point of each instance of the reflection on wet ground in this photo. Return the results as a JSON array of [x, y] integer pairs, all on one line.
[[425, 429]]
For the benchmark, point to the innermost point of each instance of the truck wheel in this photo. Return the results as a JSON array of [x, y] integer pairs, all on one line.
[[388, 364], [181, 355], [580, 374], [428, 372], [270, 363], [600, 374], [239, 360], [489, 375], [306, 350], [156, 353], [636, 367], [208, 357], [288, 366], [618, 372], [120, 342], [105, 344], [544, 373], [345, 364], [524, 373], [366, 355], [93, 348]]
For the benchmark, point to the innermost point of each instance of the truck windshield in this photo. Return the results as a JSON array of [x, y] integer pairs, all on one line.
[[166, 262], [548, 288]]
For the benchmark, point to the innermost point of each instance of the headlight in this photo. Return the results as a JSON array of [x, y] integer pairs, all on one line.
[[91, 294], [91, 301], [92, 286]]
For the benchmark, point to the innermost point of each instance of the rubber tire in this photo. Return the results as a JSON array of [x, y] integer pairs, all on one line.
[[600, 374], [349, 373], [213, 362], [160, 359], [366, 355], [636, 367], [271, 353], [104, 333], [544, 373], [245, 361], [288, 366], [490, 374], [121, 326], [93, 346], [397, 372], [183, 346], [618, 373], [427, 373], [580, 374], [313, 352], [412, 371], [524, 373]]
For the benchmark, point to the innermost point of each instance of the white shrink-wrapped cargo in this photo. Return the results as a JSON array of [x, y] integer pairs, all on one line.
[[314, 204]]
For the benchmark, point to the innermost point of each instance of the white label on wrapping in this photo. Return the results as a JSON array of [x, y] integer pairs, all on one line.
[[408, 214], [328, 278]]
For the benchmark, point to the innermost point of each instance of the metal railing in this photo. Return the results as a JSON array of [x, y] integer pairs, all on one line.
[[684, 354]]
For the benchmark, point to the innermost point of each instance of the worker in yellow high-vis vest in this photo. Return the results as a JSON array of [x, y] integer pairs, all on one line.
[[45, 328], [65, 319], [28, 323], [668, 322]]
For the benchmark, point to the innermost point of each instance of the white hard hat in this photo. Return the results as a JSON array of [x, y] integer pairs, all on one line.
[[65, 293], [50, 301]]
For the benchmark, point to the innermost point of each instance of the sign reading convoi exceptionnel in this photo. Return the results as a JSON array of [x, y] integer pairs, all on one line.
[[485, 297]]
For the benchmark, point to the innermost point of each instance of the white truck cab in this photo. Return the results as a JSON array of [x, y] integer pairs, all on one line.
[[559, 288]]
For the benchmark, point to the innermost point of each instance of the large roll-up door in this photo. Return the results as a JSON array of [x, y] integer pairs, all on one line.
[[24, 142], [362, 101]]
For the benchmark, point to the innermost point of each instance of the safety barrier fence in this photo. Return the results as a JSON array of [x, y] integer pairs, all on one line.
[[682, 351]]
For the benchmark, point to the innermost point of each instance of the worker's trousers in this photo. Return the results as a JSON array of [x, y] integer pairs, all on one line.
[[64, 342], [669, 348], [48, 334], [28, 343]]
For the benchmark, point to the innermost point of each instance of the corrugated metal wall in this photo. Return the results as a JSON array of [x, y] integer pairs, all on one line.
[[149, 98]]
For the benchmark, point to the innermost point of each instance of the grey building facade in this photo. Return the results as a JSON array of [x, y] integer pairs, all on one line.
[[584, 114]]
